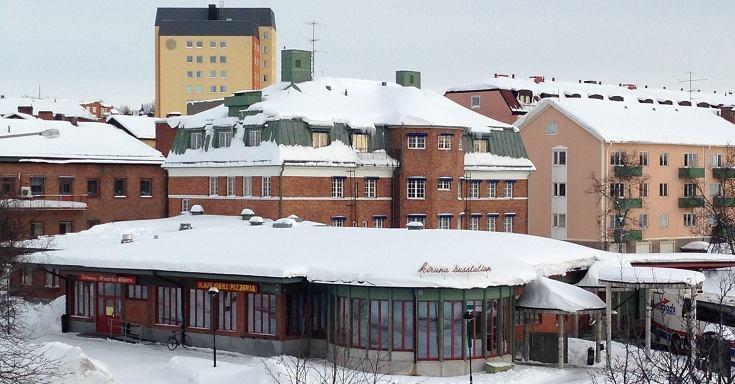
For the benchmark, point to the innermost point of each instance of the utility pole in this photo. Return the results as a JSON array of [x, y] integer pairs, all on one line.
[[313, 42]]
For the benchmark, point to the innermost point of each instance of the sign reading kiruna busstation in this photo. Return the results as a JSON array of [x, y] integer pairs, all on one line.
[[456, 268]]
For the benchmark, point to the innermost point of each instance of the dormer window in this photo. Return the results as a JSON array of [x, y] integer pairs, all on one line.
[[596, 96], [360, 142], [525, 97], [254, 137], [480, 145], [197, 139], [319, 139], [224, 138], [475, 101], [616, 98]]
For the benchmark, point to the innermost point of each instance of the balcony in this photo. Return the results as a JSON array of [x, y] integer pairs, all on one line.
[[622, 236], [723, 173], [691, 202], [628, 171], [630, 203], [723, 202], [691, 173]]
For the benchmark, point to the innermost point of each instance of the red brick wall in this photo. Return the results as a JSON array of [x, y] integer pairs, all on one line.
[[164, 138], [492, 104], [105, 208]]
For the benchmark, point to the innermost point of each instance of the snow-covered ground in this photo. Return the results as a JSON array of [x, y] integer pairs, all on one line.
[[100, 361]]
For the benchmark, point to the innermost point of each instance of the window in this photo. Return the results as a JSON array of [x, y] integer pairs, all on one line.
[[189, 44], [492, 188], [378, 221], [138, 292], [416, 188], [224, 138], [617, 190], [479, 145], [189, 89], [213, 186], [379, 325], [262, 313], [643, 190], [295, 314], [66, 186], [492, 324], [491, 220], [690, 190], [168, 307], [146, 187], [265, 78], [37, 185], [560, 189], [371, 187], [445, 142], [189, 59], [200, 308], [444, 184], [185, 204], [474, 189], [189, 74], [445, 222], [200, 60], [428, 330], [359, 326], [643, 158], [212, 74], [26, 276], [360, 142], [212, 59], [196, 140], [230, 185], [690, 220], [52, 279], [64, 227], [264, 49], [265, 186], [618, 158], [223, 88], [212, 44], [223, 59], [338, 187], [715, 189], [416, 141], [551, 128], [663, 220], [560, 220], [690, 160], [509, 188], [36, 229], [319, 315], [297, 63], [475, 222], [643, 220], [452, 329], [200, 44], [417, 218], [559, 157], [475, 102], [254, 137], [247, 186], [402, 325], [223, 44], [119, 188], [508, 223], [716, 161], [663, 189], [319, 139], [223, 74], [83, 299], [199, 74], [663, 159], [212, 88]]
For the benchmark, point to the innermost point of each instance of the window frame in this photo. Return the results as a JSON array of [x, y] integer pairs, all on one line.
[[64, 182], [96, 183], [268, 310], [319, 139], [474, 101], [559, 157], [416, 141], [35, 185], [444, 142], [124, 188], [213, 186], [371, 187], [416, 188], [143, 192], [230, 186], [338, 187], [265, 186]]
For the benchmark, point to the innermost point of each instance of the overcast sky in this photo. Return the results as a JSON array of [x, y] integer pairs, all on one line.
[[104, 49]]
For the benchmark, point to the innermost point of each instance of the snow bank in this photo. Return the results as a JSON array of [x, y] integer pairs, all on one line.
[[77, 367], [191, 370], [41, 319]]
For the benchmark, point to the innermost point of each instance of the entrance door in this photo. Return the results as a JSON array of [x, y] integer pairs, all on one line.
[[109, 307]]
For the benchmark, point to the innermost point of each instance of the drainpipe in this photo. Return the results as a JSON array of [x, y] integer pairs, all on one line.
[[183, 312], [415, 330], [280, 190]]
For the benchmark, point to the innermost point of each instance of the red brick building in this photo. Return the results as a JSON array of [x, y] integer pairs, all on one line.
[[87, 174], [99, 109], [350, 153]]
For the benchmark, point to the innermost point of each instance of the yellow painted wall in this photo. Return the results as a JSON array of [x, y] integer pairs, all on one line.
[[268, 49]]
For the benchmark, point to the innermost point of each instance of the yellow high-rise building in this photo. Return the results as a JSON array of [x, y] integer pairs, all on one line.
[[208, 53]]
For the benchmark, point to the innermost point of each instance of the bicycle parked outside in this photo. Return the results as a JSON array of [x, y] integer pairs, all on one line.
[[175, 340]]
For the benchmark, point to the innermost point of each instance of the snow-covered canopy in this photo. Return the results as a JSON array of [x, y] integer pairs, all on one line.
[[88, 142], [375, 257], [697, 245], [680, 257], [626, 275], [628, 92], [142, 127], [66, 107], [623, 122], [552, 295]]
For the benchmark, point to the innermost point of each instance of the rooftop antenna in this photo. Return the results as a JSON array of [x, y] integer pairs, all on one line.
[[39, 91], [313, 42], [691, 80]]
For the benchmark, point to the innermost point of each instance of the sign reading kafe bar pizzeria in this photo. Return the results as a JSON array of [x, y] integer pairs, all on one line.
[[456, 268], [100, 278], [225, 286]]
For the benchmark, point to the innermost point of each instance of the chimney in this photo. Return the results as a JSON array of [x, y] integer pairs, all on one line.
[[27, 109], [664, 87], [295, 65], [408, 78], [553, 79], [212, 14], [537, 79], [512, 75], [73, 120], [45, 115]]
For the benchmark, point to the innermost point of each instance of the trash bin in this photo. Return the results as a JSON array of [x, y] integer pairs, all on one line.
[[590, 356], [64, 323]]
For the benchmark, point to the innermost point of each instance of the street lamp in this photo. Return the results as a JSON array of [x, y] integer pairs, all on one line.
[[51, 133], [469, 317], [212, 293]]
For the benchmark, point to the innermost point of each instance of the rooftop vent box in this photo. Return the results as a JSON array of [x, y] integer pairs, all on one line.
[[409, 78], [247, 213], [285, 222], [298, 219], [256, 220], [197, 210], [184, 226], [415, 225], [126, 238]]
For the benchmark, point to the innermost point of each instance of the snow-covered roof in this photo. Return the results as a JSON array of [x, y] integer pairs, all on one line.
[[66, 107], [628, 93], [19, 115], [697, 245], [490, 161], [142, 127], [88, 142], [648, 275], [360, 104], [376, 257], [552, 295], [623, 122]]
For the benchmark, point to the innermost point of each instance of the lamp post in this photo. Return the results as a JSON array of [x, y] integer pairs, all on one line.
[[212, 293], [469, 317], [51, 133]]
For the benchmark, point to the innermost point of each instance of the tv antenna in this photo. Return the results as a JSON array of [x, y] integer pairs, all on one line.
[[691, 80], [313, 42]]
